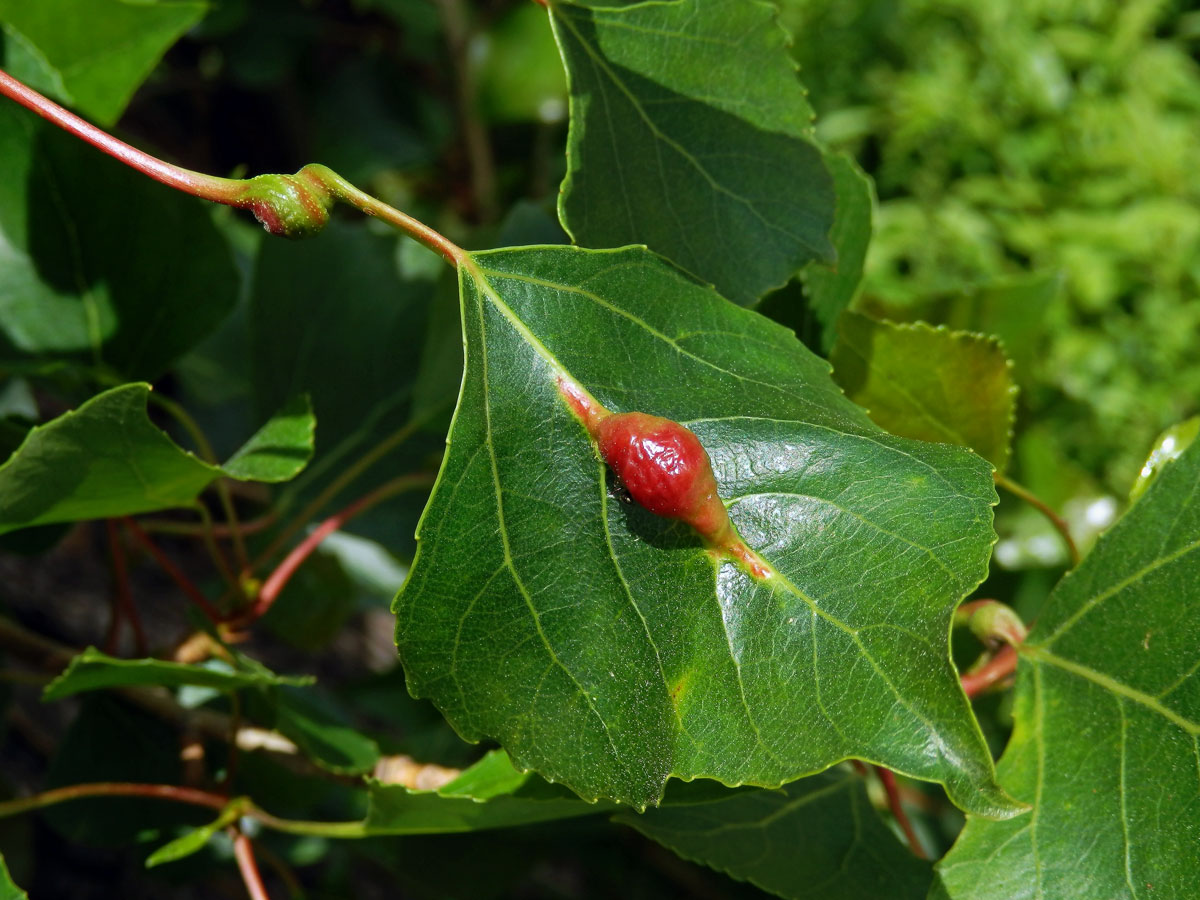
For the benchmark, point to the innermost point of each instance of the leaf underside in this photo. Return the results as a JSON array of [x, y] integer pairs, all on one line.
[[816, 839], [605, 647], [1106, 744]]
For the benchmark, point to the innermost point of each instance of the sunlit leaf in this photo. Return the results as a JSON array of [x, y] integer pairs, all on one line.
[[690, 133], [605, 647], [928, 383], [1107, 739]]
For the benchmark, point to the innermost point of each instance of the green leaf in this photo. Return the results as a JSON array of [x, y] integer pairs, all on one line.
[[818, 838], [9, 890], [605, 647], [690, 133], [1106, 743], [280, 449], [321, 733], [931, 384], [193, 841], [98, 263], [92, 54], [1169, 446], [107, 458], [490, 794], [92, 670], [829, 288]]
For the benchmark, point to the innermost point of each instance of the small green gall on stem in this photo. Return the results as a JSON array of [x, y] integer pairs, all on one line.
[[294, 206], [666, 470]]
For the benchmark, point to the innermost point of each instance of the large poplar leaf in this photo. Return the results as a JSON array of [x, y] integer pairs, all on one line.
[[97, 262], [92, 54], [1106, 744], [818, 838], [690, 133], [607, 648], [107, 458]]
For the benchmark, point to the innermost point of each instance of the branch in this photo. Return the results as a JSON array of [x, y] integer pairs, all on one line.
[[289, 205], [276, 581], [241, 806], [243, 850], [185, 583], [994, 670], [888, 778]]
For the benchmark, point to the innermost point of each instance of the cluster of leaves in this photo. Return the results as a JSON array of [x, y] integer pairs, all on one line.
[[628, 674], [1042, 150]]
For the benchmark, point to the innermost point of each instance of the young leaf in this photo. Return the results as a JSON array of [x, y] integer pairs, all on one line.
[[604, 646], [321, 733], [280, 449], [490, 794], [690, 133], [1107, 738], [929, 383], [92, 54], [818, 838], [106, 458], [92, 670], [192, 841], [100, 264]]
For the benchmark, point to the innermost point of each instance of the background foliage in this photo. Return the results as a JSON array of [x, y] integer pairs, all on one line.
[[1020, 178]]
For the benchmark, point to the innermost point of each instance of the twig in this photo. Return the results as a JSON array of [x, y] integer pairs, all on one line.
[[1059, 523], [276, 581], [999, 667], [243, 850], [123, 595], [293, 205], [184, 418], [243, 806], [185, 583], [888, 779], [217, 529], [283, 870], [475, 136]]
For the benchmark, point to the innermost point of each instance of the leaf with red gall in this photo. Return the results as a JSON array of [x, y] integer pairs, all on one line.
[[611, 648]]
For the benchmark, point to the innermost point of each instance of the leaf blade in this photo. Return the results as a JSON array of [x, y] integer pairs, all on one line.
[[1107, 721], [677, 122], [597, 688]]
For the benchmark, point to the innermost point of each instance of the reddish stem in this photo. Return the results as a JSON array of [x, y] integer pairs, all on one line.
[[123, 600], [243, 850], [279, 578], [999, 667], [185, 583], [187, 795], [888, 779], [293, 205], [222, 190]]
